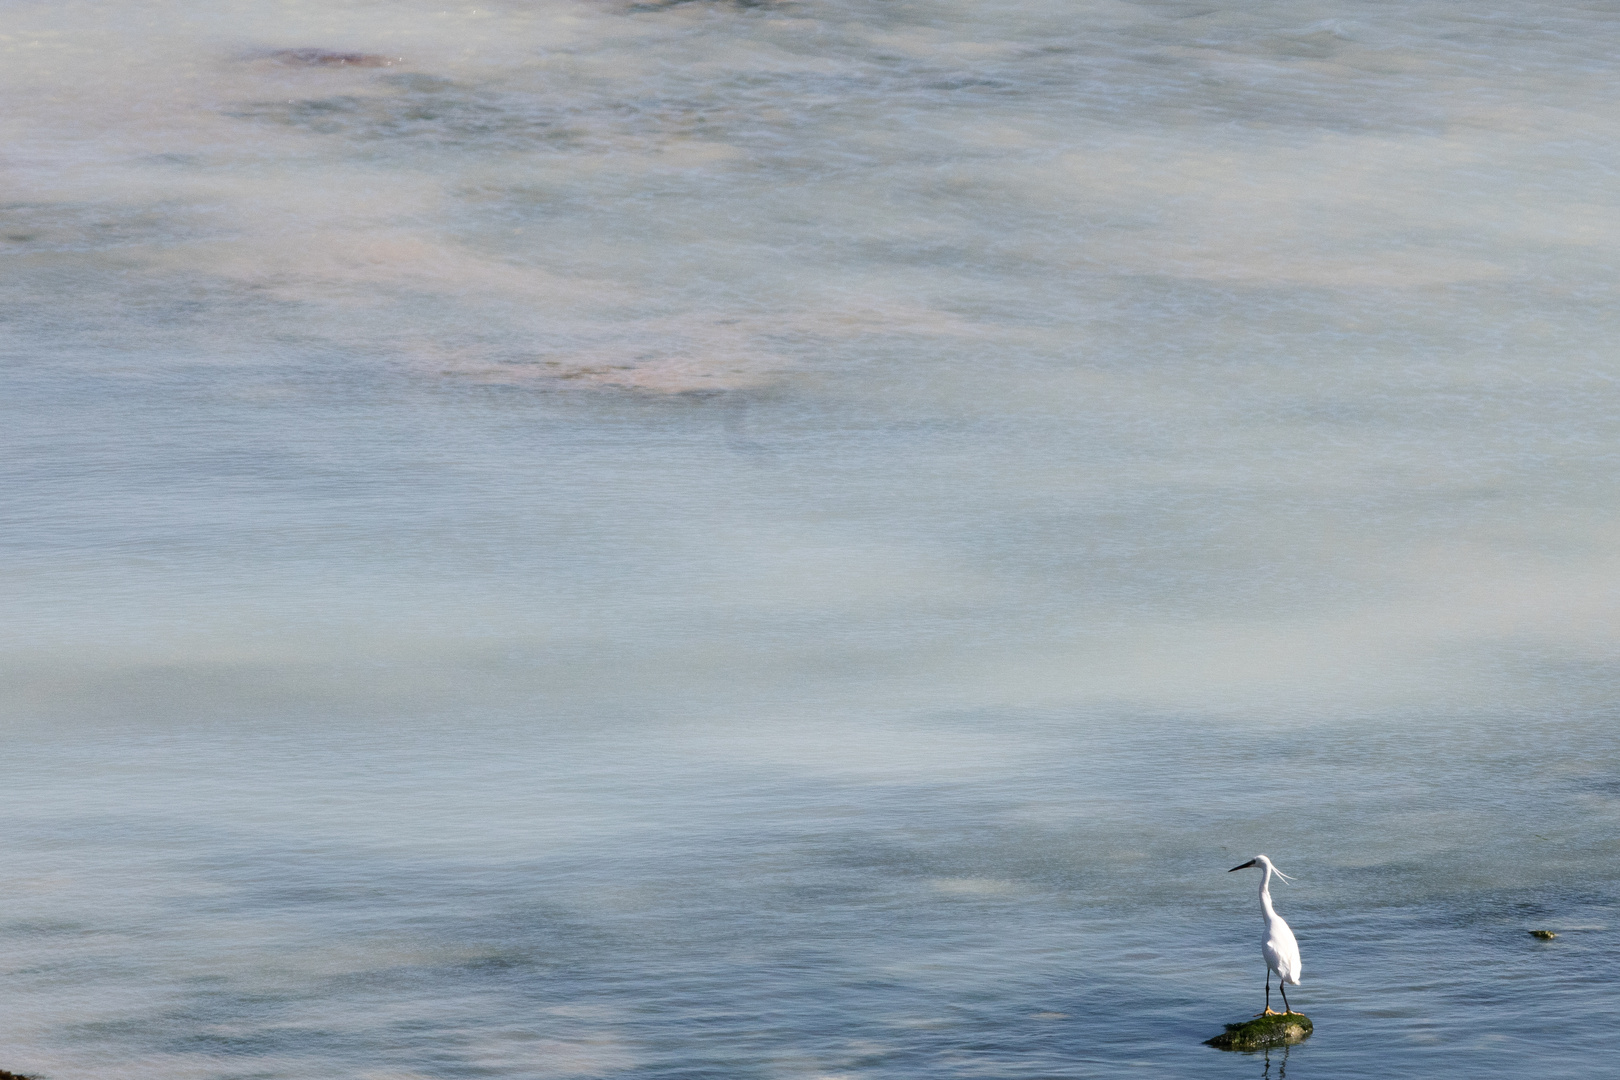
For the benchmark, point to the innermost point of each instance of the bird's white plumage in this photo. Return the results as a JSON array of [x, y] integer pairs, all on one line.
[[1277, 943]]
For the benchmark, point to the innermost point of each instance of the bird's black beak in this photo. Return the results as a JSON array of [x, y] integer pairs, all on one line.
[[1245, 866]]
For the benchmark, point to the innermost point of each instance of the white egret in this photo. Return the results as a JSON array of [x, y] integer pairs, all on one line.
[[1277, 945]]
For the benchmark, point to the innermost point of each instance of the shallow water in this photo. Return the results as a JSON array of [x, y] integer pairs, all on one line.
[[801, 540]]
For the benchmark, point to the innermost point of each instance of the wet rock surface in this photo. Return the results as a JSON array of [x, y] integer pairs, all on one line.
[[1279, 1029]]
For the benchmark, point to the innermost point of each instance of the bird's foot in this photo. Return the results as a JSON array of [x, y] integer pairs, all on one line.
[[1270, 1012]]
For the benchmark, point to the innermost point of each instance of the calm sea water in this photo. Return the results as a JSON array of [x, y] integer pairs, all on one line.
[[800, 540]]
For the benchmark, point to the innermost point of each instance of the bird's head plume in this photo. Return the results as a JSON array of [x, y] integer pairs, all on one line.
[[1263, 863]]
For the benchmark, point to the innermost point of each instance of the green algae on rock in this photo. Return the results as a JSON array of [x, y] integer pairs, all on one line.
[[4, 1075], [1278, 1029]]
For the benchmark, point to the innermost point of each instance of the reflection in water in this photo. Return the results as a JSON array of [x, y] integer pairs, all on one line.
[[1282, 1065]]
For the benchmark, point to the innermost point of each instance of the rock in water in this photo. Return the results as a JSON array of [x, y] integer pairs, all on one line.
[[1282, 1029], [327, 58], [1544, 935]]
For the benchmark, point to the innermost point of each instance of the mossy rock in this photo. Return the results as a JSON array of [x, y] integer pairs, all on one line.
[[1280, 1029], [13, 1076]]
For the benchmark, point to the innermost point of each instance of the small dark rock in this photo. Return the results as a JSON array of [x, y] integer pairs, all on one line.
[[1544, 935], [13, 1076], [1279, 1029], [325, 58]]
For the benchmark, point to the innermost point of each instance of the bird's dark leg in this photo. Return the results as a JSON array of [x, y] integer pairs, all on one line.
[[1286, 1007]]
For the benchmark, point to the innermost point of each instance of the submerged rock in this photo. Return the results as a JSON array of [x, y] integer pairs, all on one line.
[[1544, 935], [327, 58], [1279, 1029]]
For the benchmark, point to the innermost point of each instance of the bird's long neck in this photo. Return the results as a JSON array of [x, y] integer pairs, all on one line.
[[1265, 897]]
